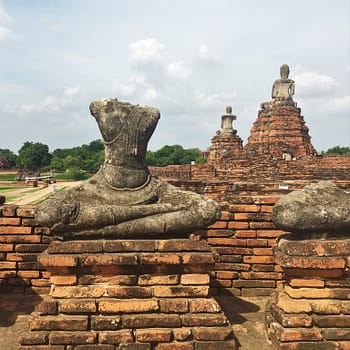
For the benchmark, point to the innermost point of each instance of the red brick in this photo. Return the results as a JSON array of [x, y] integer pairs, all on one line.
[[20, 239], [30, 248], [7, 265], [302, 282], [185, 245], [238, 225], [105, 322], [256, 242], [226, 215], [269, 233], [28, 274], [245, 234], [9, 210], [243, 208], [227, 241], [39, 338], [226, 275], [218, 224], [263, 225], [6, 247], [130, 246], [262, 251], [15, 230], [10, 221], [197, 258], [64, 279], [260, 259], [76, 247]]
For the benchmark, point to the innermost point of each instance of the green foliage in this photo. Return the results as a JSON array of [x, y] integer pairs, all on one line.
[[33, 156], [173, 155], [9, 156], [336, 151], [86, 157]]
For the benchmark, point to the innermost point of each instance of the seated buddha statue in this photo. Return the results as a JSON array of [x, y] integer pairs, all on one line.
[[123, 199]]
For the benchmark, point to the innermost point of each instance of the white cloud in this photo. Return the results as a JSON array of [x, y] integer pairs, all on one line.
[[4, 16], [215, 100], [339, 104], [178, 70], [207, 58], [150, 94], [6, 33], [313, 84], [146, 51], [71, 91]]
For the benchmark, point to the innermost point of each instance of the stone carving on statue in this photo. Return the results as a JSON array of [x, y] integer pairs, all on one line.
[[283, 89], [123, 199], [320, 208]]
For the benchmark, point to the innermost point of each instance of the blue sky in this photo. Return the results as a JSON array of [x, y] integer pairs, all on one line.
[[188, 58]]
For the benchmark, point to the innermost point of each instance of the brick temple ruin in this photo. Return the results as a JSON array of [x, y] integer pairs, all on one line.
[[162, 294]]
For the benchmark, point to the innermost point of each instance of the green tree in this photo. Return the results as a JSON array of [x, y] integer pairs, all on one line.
[[337, 150], [9, 156], [33, 156], [173, 155]]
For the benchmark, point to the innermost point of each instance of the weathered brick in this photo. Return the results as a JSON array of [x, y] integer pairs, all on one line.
[[290, 305], [336, 333], [238, 225], [227, 241], [95, 347], [173, 305], [57, 260], [208, 319], [148, 280], [127, 306], [117, 336], [26, 211], [296, 334], [260, 259], [231, 258], [6, 247], [175, 346], [159, 258], [20, 239], [7, 265], [318, 293], [30, 248], [76, 323], [150, 321], [75, 247], [105, 322], [78, 291], [37, 338], [129, 246], [197, 258], [204, 305], [182, 333], [332, 321], [303, 282], [109, 259], [77, 306], [108, 279], [257, 242], [46, 307], [212, 333], [215, 345], [58, 338], [195, 279], [128, 292], [290, 320], [153, 335], [257, 292], [244, 208], [183, 245], [245, 234], [253, 283], [180, 291]]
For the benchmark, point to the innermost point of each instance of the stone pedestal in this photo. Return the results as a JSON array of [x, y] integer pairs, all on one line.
[[312, 310], [129, 294]]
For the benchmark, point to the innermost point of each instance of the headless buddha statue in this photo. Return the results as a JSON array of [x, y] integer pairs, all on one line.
[[123, 199]]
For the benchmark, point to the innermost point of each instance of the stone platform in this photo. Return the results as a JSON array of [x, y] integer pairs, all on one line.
[[129, 294]]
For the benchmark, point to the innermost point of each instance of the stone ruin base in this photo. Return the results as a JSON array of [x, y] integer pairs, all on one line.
[[130, 295], [312, 311]]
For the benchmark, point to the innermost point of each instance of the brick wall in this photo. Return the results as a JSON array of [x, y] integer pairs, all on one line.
[[241, 240], [20, 244]]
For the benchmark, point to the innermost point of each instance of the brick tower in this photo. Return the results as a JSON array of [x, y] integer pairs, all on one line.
[[226, 144], [279, 130]]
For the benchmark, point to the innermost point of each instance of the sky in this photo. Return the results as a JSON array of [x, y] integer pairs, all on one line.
[[188, 58]]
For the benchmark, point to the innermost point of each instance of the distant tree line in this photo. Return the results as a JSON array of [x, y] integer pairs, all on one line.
[[88, 158]]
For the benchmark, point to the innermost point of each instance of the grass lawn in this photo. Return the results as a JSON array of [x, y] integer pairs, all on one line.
[[11, 197]]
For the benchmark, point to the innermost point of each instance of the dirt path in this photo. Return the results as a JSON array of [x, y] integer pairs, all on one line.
[[41, 193]]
